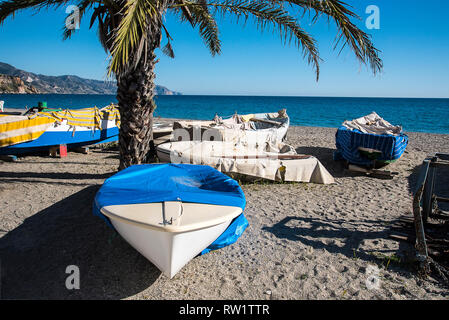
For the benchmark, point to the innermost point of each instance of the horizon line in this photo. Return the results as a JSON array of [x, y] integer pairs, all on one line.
[[307, 96], [236, 95]]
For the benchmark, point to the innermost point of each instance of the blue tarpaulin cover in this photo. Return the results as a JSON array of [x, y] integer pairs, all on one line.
[[150, 183], [349, 141]]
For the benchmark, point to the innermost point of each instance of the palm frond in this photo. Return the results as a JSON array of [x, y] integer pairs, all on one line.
[[185, 10], [168, 49], [11, 7], [207, 25], [276, 13], [270, 15], [138, 15], [348, 33], [107, 15]]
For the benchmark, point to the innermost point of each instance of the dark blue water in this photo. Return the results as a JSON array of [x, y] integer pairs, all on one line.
[[416, 115]]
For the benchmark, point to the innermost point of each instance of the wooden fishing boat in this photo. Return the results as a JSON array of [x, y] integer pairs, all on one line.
[[276, 162], [38, 131], [254, 128], [370, 141], [41, 129]]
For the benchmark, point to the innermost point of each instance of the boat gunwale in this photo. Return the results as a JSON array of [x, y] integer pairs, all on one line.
[[170, 228]]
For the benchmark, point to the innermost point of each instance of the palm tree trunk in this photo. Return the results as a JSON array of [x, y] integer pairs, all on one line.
[[135, 94]]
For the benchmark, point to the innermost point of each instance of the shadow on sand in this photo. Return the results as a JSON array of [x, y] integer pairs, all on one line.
[[54, 175], [337, 169], [311, 231], [326, 157], [34, 256], [55, 178], [412, 179]]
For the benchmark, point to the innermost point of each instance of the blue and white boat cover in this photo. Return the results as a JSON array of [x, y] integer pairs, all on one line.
[[152, 183], [370, 133]]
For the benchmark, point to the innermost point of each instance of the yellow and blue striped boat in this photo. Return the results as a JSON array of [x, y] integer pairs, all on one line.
[[74, 128]]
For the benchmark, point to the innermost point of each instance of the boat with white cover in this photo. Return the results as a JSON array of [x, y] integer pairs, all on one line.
[[253, 128], [276, 162]]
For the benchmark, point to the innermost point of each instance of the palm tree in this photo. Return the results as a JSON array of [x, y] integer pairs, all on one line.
[[131, 30]]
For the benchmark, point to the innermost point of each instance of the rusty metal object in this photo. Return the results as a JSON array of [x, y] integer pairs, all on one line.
[[425, 201]]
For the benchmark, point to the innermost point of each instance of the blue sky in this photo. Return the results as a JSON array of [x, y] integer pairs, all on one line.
[[413, 38]]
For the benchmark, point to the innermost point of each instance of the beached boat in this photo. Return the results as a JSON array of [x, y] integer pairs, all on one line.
[[39, 131], [161, 129], [171, 213], [162, 132], [254, 128], [370, 141], [276, 162]]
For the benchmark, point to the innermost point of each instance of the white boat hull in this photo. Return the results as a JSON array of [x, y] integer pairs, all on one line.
[[273, 132], [247, 160], [169, 251]]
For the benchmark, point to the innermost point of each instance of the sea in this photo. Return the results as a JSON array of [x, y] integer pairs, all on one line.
[[414, 114]]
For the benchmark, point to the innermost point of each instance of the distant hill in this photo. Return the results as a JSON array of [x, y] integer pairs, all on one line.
[[68, 84]]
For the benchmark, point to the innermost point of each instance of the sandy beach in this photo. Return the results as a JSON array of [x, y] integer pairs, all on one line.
[[305, 241]]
